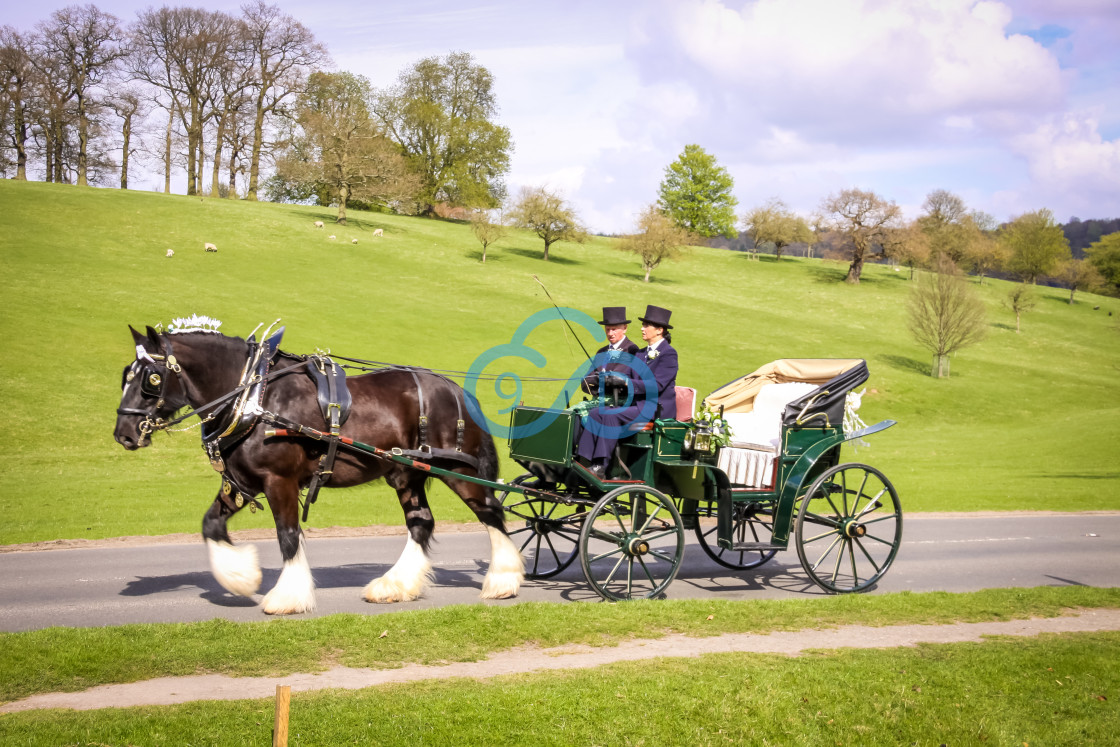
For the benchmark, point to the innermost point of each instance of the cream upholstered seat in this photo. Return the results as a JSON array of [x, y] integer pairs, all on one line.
[[756, 436]]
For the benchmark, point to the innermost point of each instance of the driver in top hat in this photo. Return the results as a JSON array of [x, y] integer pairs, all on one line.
[[659, 361], [610, 357]]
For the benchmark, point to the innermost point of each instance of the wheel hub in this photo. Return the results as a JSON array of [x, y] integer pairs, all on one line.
[[854, 528], [637, 546]]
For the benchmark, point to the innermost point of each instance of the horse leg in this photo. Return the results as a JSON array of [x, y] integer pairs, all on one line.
[[507, 568], [295, 589], [412, 573], [235, 567]]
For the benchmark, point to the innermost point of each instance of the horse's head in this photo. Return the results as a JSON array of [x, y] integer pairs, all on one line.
[[151, 390]]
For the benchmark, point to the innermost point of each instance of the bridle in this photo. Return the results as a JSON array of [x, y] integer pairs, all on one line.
[[155, 372]]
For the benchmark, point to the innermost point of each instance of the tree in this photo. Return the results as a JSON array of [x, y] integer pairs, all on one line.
[[340, 149], [945, 314], [128, 105], [658, 239], [908, 245], [863, 218], [1036, 245], [285, 53], [548, 215], [696, 194], [1104, 254], [775, 224], [16, 86], [441, 113], [985, 252], [88, 42], [1078, 274], [1020, 299], [947, 225], [486, 231], [182, 52]]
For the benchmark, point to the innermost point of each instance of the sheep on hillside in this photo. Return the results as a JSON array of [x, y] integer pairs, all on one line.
[[378, 232], [318, 224], [170, 252], [209, 247], [353, 241], [331, 236]]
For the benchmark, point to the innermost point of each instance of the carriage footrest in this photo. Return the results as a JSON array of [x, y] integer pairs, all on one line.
[[754, 546]]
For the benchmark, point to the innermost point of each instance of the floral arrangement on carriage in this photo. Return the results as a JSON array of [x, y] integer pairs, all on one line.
[[708, 432]]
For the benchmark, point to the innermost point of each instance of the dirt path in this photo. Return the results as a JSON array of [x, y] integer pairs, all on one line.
[[171, 690]]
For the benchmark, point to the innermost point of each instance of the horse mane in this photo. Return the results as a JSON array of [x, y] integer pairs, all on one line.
[[194, 323]]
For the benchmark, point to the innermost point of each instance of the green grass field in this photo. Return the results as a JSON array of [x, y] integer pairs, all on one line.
[[1028, 421]]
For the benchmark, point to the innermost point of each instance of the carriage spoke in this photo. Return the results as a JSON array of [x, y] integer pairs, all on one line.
[[827, 521], [867, 555], [822, 535], [826, 553], [852, 558], [648, 574]]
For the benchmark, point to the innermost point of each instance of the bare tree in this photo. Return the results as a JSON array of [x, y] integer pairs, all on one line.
[[658, 239], [16, 90], [862, 218], [485, 230], [548, 215], [945, 314], [181, 51], [232, 98], [129, 106], [1021, 299], [86, 43], [775, 224], [285, 53], [946, 225]]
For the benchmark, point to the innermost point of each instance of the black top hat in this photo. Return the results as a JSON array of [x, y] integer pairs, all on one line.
[[657, 316], [614, 315]]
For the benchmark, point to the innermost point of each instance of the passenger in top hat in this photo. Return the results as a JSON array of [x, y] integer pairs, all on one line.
[[609, 357], [657, 361]]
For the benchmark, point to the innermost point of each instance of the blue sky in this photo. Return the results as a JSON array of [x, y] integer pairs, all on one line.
[[1012, 105]]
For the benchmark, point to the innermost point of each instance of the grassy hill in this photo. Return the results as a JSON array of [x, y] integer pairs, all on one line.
[[1028, 421]]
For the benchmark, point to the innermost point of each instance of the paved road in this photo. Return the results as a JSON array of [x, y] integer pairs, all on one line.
[[172, 583]]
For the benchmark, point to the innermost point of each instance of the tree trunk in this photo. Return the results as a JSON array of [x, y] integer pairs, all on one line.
[[1017, 315], [854, 271], [83, 144], [343, 196], [1072, 290], [648, 271], [546, 245], [255, 158], [167, 152], [215, 176], [940, 368], [126, 134]]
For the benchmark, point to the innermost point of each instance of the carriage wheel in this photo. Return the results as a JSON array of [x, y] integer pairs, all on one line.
[[632, 543], [849, 528], [545, 532], [751, 522]]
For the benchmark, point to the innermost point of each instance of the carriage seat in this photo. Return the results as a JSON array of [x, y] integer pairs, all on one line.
[[686, 403], [756, 436]]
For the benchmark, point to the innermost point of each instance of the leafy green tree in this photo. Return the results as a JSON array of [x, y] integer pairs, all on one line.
[[485, 230], [1104, 254], [945, 314], [340, 150], [864, 219], [441, 112], [548, 215], [908, 245], [1078, 274], [658, 239], [1036, 245], [777, 225], [696, 194]]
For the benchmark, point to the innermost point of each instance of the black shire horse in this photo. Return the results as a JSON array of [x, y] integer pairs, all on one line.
[[195, 367]]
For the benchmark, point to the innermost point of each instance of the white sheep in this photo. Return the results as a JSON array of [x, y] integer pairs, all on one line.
[[318, 224], [353, 241], [378, 232], [209, 247], [170, 252], [331, 236]]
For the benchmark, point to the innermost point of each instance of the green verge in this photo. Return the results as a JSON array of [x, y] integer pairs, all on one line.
[[1053, 689], [72, 659], [1027, 421]]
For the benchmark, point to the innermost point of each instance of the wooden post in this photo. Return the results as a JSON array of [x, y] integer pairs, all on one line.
[[280, 724]]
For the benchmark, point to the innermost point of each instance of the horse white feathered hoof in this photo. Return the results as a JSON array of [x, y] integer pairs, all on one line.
[[507, 568], [295, 589], [236, 568], [405, 581]]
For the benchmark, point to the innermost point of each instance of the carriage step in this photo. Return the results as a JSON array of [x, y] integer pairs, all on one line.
[[755, 546]]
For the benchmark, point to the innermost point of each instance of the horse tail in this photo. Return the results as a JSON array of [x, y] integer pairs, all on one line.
[[487, 458]]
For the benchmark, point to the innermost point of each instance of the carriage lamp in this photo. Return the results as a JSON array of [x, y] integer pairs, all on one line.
[[708, 433]]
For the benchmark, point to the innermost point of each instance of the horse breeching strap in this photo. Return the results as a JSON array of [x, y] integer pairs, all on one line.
[[334, 401]]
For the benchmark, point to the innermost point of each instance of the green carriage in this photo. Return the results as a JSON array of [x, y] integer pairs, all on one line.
[[760, 465]]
